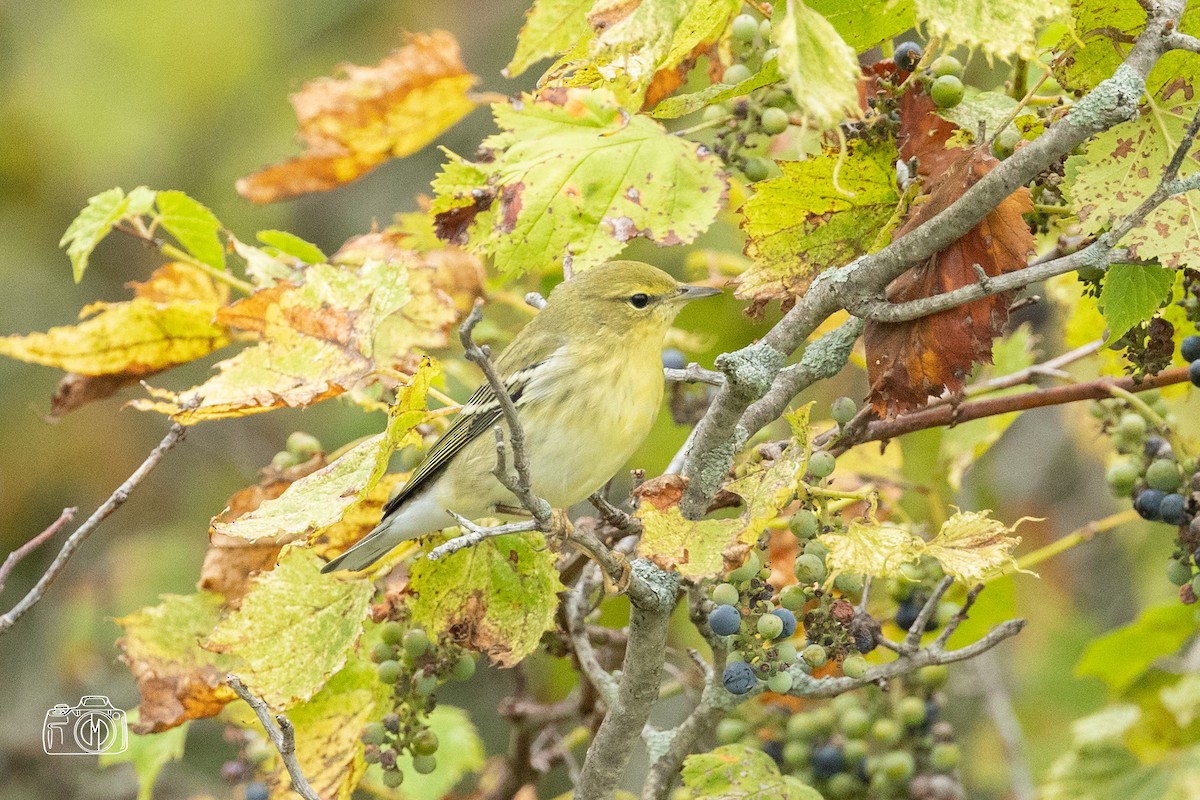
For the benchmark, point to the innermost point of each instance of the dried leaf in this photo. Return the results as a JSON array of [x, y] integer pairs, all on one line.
[[662, 492], [696, 549], [971, 545], [351, 125]]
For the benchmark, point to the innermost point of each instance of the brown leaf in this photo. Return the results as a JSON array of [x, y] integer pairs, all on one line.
[[662, 492], [909, 362], [350, 125], [75, 391]]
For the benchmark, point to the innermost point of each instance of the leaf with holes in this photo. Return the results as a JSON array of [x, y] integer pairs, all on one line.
[[1131, 295], [999, 27], [571, 180]]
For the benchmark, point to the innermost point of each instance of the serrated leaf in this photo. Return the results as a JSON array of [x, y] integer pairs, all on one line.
[[684, 104], [292, 245], [322, 498], [1131, 294], [993, 109], [693, 548], [572, 179], [1122, 166], [738, 772], [971, 546], [551, 27], [148, 754], [176, 679], [820, 67], [1118, 658], [865, 23], [97, 219], [999, 27], [351, 125], [803, 222], [497, 597], [294, 629], [193, 225]]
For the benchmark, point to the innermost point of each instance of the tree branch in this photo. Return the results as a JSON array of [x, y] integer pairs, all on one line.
[[76, 539], [576, 609], [1000, 707], [282, 735], [17, 555]]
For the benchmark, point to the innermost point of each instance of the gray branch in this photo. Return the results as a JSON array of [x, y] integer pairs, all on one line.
[[77, 538], [281, 733], [1000, 706], [476, 534], [750, 372], [576, 611]]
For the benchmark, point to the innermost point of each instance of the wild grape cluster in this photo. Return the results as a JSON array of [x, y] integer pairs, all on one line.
[[410, 663], [873, 743], [1163, 484]]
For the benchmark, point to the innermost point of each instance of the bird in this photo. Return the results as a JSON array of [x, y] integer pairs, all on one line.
[[586, 378]]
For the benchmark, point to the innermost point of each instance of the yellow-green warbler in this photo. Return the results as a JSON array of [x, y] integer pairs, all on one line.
[[586, 378]]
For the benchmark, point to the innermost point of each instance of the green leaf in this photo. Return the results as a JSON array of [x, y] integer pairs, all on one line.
[[803, 221], [97, 219], [294, 628], [820, 67], [149, 753], [1131, 294], [196, 228], [322, 498], [738, 772], [499, 596], [574, 177], [1120, 657], [551, 27], [684, 104], [865, 23], [993, 109], [292, 245], [1182, 699], [999, 27], [177, 680]]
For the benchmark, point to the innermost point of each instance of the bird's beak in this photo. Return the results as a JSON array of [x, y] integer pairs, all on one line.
[[689, 292]]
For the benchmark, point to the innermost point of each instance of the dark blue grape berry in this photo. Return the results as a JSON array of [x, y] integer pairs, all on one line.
[[827, 760], [1173, 509], [725, 620], [673, 358], [908, 612], [738, 677], [257, 791], [789, 622], [1189, 348], [1148, 503], [774, 748], [1194, 373], [1156, 447], [907, 56], [864, 640]]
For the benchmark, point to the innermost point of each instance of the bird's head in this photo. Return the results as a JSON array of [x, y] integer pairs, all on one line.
[[628, 297]]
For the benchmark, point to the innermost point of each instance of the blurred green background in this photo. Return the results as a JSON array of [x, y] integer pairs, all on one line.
[[193, 96]]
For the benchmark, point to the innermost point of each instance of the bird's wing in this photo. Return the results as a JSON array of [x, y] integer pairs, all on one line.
[[478, 417]]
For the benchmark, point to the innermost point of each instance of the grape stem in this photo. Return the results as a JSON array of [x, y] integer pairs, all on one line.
[[1080, 535]]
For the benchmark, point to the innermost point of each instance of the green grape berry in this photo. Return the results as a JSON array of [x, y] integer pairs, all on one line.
[[843, 410], [744, 28], [804, 524], [389, 671], [1163, 474], [855, 723], [425, 743], [1122, 476], [302, 444], [714, 113], [814, 655], [855, 751], [911, 711], [373, 733], [946, 91], [780, 682], [416, 642], [424, 684], [1132, 425], [770, 626], [946, 65], [756, 169], [886, 731], [392, 632], [854, 667], [764, 30], [1179, 572], [725, 594], [815, 548], [898, 765], [382, 651], [803, 727], [730, 730], [423, 765], [736, 73], [795, 753], [809, 568], [785, 652], [284, 460], [821, 464], [774, 121], [393, 778], [792, 597], [848, 582], [748, 569], [945, 756], [777, 98], [464, 667], [843, 786]]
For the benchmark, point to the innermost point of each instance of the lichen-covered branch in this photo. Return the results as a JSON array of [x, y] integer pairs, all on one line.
[[282, 735]]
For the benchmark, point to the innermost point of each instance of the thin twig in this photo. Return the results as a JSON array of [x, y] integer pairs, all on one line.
[[476, 534], [1000, 707], [114, 501], [17, 555], [694, 373], [281, 733], [576, 609], [912, 641], [614, 516]]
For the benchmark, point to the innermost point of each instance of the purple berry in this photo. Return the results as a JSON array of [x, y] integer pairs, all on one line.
[[1148, 503], [907, 56], [1173, 509], [738, 677], [1194, 373], [1189, 348], [725, 620], [789, 622]]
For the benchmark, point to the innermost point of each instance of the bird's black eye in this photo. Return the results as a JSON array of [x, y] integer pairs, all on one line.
[[639, 300]]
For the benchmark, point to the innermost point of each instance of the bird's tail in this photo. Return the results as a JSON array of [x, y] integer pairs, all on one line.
[[372, 547]]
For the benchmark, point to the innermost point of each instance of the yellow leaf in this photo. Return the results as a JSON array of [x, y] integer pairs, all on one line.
[[351, 125], [871, 548], [695, 549], [971, 545]]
